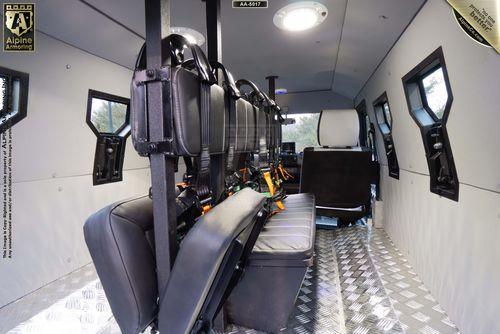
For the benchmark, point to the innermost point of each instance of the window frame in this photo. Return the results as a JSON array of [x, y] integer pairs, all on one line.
[[379, 103], [112, 98], [430, 64], [363, 118], [387, 138], [23, 97], [431, 127]]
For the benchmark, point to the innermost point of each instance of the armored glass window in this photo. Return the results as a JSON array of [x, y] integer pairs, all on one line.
[[435, 91], [429, 98], [384, 121], [107, 113], [387, 114], [109, 118], [13, 97], [303, 132]]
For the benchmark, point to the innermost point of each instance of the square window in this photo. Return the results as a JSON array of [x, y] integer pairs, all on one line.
[[435, 91]]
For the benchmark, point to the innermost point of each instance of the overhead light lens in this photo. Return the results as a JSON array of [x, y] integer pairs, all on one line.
[[300, 19], [300, 16], [193, 36], [280, 91]]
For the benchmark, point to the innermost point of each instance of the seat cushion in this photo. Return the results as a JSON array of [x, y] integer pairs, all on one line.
[[288, 236]]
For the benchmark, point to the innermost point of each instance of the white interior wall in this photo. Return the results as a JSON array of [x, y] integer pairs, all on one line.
[[313, 102], [453, 246], [53, 153]]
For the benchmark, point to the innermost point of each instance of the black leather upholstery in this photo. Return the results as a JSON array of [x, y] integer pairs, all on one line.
[[201, 255], [186, 108], [119, 240], [288, 236], [262, 130], [340, 179], [340, 173], [265, 296], [243, 131]]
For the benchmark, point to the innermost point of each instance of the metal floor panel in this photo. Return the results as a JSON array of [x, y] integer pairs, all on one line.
[[359, 283]]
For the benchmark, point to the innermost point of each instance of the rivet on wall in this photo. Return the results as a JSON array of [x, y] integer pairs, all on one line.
[[68, 66]]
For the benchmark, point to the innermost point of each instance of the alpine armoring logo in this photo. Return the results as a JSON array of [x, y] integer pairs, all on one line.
[[19, 27]]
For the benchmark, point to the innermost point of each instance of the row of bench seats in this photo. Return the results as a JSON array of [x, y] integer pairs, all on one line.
[[268, 257]]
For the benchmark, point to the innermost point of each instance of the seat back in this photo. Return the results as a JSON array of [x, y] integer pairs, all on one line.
[[206, 263], [119, 238], [339, 173], [120, 241]]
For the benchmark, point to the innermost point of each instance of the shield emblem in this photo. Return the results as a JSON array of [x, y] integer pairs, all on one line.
[[19, 21]]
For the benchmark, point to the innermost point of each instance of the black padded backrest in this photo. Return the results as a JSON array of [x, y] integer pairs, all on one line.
[[338, 178], [201, 257], [246, 126], [252, 117], [119, 240], [186, 108], [241, 124], [262, 128]]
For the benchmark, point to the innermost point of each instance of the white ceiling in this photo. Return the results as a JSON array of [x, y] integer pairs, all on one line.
[[253, 47]]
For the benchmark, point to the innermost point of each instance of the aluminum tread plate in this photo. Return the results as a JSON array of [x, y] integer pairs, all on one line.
[[359, 283]]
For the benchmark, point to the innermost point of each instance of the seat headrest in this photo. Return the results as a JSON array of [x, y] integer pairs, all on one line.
[[338, 128]]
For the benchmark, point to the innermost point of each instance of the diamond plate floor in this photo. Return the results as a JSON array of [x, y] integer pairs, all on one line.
[[73, 304], [359, 283]]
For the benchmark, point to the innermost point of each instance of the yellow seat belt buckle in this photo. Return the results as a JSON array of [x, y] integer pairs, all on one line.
[[270, 185]]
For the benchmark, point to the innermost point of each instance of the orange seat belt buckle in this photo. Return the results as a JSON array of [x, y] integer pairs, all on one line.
[[205, 209]]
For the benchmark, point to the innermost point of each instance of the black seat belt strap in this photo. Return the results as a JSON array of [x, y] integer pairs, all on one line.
[[203, 178]]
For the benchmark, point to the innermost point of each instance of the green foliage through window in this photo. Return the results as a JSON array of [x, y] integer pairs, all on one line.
[[304, 132], [435, 92], [108, 116]]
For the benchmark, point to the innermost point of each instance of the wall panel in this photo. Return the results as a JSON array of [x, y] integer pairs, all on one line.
[[453, 246]]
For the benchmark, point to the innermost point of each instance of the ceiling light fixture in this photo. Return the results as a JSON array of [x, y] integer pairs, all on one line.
[[193, 36], [280, 91], [300, 16]]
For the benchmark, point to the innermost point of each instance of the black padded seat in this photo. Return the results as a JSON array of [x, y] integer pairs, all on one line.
[[289, 234], [340, 172], [265, 297], [119, 238]]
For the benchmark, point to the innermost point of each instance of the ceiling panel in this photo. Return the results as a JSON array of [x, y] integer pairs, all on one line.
[[253, 47], [367, 37], [79, 25], [130, 13]]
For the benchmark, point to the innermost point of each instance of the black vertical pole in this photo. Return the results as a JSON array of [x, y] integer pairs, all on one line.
[[272, 86], [214, 31], [214, 53], [162, 167], [277, 132]]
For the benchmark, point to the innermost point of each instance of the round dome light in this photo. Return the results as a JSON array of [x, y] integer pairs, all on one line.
[[300, 16], [193, 36]]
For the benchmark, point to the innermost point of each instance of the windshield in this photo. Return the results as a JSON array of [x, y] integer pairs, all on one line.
[[304, 132]]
